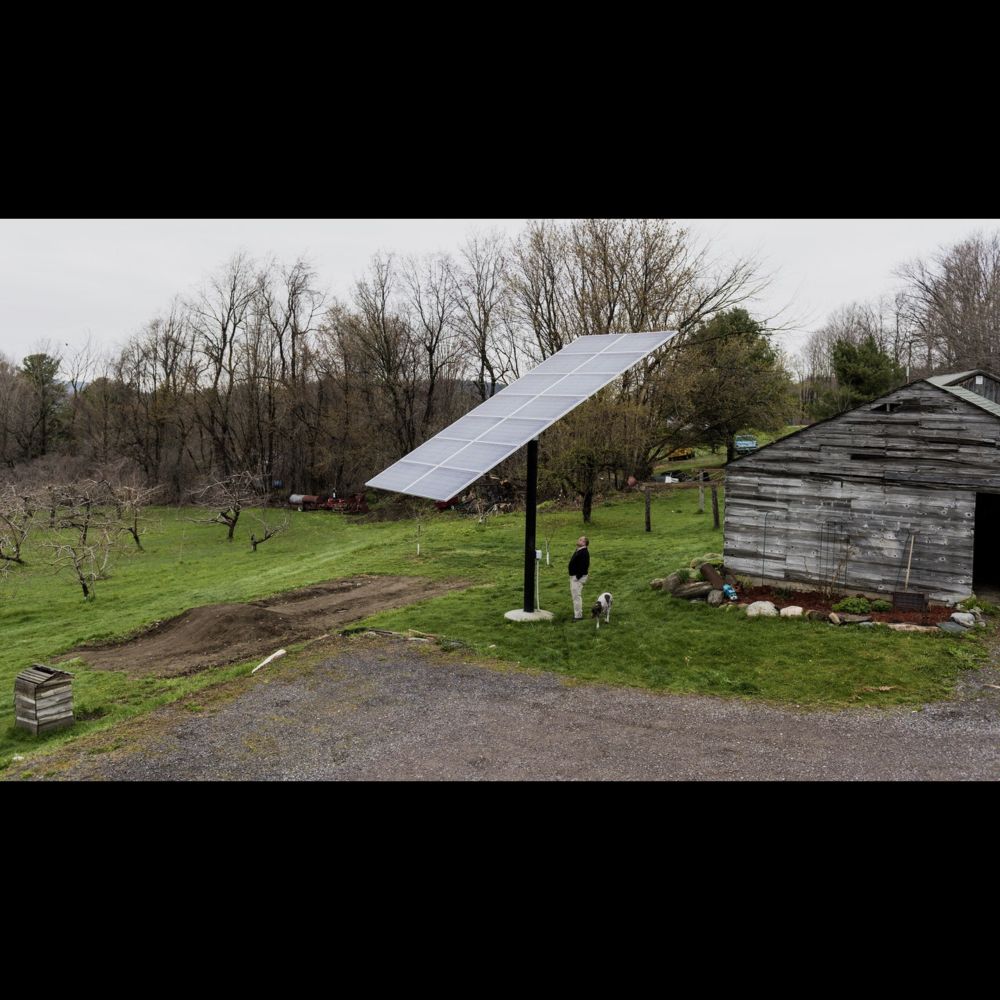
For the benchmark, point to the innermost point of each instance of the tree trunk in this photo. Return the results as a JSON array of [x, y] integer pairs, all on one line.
[[588, 502]]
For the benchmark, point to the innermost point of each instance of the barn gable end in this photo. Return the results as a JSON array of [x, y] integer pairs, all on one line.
[[837, 504]]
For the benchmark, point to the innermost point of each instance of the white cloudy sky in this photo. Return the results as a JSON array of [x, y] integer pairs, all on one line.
[[62, 280]]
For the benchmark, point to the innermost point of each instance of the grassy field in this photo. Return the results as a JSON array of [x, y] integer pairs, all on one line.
[[653, 641]]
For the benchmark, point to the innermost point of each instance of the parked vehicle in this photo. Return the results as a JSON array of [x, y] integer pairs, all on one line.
[[681, 454], [353, 504]]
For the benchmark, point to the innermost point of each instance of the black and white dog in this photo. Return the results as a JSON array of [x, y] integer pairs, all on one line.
[[602, 606]]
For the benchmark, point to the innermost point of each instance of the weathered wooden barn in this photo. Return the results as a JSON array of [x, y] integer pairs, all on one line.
[[846, 503]]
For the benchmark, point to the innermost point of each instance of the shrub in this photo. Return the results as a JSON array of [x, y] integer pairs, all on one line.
[[881, 605], [688, 575], [853, 605], [974, 602], [709, 557]]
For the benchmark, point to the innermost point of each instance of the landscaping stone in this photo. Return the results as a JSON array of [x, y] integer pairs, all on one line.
[[964, 618], [657, 584], [715, 598], [909, 627], [672, 582], [692, 591], [792, 611], [866, 624], [762, 609], [847, 619], [952, 627], [833, 618], [817, 616]]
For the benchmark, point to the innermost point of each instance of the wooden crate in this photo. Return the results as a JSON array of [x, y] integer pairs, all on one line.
[[43, 699]]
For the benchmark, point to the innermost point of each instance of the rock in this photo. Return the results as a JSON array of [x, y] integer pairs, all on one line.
[[953, 627], [672, 582], [817, 616], [847, 619], [833, 618], [793, 611], [762, 609], [866, 624], [715, 598], [657, 584], [964, 618], [909, 627], [692, 591]]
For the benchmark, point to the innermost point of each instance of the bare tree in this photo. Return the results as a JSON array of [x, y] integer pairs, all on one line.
[[219, 315], [268, 529], [87, 532], [228, 497], [130, 506], [485, 316], [17, 513], [432, 295], [953, 300]]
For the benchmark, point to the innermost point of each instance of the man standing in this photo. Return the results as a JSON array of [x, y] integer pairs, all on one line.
[[579, 566]]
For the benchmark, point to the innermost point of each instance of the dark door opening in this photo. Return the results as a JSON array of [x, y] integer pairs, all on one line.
[[986, 558]]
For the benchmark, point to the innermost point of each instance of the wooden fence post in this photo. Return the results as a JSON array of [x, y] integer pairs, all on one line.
[[648, 526], [715, 506]]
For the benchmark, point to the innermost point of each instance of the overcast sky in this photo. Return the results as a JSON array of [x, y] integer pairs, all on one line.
[[62, 280]]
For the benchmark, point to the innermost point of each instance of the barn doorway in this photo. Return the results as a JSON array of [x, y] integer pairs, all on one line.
[[986, 556]]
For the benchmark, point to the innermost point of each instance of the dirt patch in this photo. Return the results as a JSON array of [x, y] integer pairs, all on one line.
[[217, 634]]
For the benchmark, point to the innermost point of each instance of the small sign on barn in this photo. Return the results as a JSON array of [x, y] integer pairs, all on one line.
[[43, 699]]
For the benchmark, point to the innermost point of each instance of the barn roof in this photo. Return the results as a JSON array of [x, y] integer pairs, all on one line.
[[945, 382], [948, 383]]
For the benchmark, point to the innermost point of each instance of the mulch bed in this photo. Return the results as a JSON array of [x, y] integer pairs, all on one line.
[[813, 600]]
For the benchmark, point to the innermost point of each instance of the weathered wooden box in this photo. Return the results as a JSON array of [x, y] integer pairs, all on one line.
[[904, 600], [43, 699]]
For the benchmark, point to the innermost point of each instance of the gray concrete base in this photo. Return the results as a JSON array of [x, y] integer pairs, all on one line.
[[519, 615]]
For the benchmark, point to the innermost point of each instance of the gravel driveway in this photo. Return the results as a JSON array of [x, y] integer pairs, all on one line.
[[381, 709]]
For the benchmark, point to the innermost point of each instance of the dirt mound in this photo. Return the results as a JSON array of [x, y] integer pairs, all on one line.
[[217, 634]]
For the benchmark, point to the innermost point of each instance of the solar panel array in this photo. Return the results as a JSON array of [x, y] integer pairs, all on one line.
[[456, 457]]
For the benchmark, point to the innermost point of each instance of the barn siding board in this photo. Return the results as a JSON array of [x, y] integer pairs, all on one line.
[[928, 459]]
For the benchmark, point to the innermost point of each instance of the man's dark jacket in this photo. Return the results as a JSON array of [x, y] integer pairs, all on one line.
[[579, 565]]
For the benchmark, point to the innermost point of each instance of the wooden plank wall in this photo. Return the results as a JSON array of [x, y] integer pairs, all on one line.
[[845, 495]]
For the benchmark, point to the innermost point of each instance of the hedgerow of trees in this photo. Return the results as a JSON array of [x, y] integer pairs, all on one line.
[[258, 372]]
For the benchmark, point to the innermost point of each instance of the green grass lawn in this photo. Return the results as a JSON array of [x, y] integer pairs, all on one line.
[[653, 640]]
